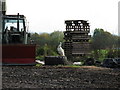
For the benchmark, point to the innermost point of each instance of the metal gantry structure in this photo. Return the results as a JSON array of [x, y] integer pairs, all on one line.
[[77, 38]]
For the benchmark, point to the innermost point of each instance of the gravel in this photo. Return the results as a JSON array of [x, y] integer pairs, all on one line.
[[33, 77]]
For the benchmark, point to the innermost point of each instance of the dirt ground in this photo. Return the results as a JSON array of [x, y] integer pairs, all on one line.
[[44, 77]]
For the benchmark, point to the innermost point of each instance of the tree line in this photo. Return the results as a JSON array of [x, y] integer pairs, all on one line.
[[46, 44], [103, 44]]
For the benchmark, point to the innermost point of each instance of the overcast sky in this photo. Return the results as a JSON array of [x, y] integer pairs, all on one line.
[[49, 15]]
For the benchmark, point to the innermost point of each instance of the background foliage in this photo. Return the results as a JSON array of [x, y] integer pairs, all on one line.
[[104, 44]]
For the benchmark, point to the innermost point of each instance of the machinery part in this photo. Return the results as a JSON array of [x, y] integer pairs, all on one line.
[[16, 47], [56, 60]]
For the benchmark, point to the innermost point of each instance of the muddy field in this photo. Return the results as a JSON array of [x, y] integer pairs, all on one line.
[[60, 77]]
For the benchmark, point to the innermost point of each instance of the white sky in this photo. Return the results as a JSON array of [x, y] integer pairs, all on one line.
[[49, 15]]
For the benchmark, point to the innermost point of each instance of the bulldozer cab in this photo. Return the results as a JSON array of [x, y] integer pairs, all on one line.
[[14, 29]]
